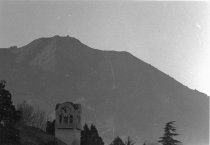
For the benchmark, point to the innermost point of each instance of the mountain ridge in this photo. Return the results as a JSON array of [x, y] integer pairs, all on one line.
[[44, 39], [59, 69]]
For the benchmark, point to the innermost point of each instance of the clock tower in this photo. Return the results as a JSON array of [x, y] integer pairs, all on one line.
[[68, 123]]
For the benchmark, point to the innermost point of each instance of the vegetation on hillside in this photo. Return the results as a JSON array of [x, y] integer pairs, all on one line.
[[31, 116]]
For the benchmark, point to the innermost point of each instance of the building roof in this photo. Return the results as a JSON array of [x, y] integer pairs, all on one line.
[[76, 106]]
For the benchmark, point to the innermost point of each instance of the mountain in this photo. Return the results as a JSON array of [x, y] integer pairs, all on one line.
[[119, 93]]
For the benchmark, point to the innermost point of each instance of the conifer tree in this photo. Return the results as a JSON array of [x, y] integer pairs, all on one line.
[[169, 133], [85, 135], [7, 109], [95, 138], [144, 143], [9, 135], [90, 136], [50, 127], [117, 141]]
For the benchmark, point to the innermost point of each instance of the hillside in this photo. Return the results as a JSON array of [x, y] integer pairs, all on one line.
[[120, 93], [35, 136]]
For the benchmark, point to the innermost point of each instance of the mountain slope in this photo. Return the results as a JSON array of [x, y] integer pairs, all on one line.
[[121, 94]]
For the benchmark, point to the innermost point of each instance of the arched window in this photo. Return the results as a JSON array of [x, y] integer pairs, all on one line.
[[66, 119], [71, 119], [60, 118]]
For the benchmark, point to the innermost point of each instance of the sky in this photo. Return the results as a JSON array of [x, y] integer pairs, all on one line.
[[171, 36]]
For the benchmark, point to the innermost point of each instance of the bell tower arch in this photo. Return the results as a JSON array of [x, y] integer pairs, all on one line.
[[68, 123]]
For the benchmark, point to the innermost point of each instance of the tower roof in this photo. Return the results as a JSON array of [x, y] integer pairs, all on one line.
[[76, 106]]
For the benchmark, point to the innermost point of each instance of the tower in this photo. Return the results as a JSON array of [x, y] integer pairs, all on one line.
[[68, 123]]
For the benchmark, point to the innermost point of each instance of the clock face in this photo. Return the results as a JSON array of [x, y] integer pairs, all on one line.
[[65, 111]]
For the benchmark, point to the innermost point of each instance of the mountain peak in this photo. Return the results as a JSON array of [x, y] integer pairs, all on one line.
[[135, 98], [42, 52]]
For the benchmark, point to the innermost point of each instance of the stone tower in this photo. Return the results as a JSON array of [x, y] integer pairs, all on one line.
[[68, 123]]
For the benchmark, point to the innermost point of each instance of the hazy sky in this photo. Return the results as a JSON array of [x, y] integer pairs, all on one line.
[[172, 36]]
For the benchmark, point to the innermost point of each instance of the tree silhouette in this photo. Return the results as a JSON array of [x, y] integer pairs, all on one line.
[[129, 141], [169, 133], [85, 133], [50, 127], [144, 143], [9, 135], [90, 136], [117, 141], [95, 138]]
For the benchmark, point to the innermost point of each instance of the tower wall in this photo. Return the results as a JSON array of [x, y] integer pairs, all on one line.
[[68, 123], [68, 136]]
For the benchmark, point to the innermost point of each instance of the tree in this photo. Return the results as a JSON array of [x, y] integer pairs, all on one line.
[[85, 133], [129, 141], [90, 136], [117, 141], [7, 109], [50, 127], [9, 135], [169, 133], [31, 116], [95, 138]]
